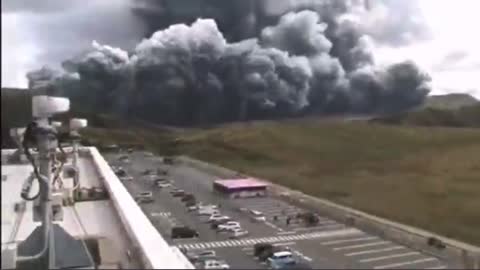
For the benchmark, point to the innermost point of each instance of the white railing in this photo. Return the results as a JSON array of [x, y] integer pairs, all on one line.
[[155, 251]]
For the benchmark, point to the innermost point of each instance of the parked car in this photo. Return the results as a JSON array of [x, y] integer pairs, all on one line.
[[120, 172], [168, 160], [215, 217], [238, 232], [202, 255], [257, 215], [183, 232], [215, 264], [207, 211], [260, 248], [124, 159], [148, 172], [229, 226], [163, 184], [162, 172], [190, 202], [187, 197], [269, 250], [193, 207], [280, 259], [126, 178], [178, 193], [214, 224], [144, 197]]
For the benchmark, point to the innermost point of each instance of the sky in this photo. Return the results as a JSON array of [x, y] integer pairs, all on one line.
[[37, 33], [452, 54]]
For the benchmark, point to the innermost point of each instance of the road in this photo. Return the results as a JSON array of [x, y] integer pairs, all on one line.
[[327, 245]]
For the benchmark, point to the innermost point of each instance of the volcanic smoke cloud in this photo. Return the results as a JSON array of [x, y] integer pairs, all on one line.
[[314, 59]]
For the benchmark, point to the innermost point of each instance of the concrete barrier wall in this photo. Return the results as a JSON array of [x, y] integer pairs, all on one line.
[[464, 254], [155, 251]]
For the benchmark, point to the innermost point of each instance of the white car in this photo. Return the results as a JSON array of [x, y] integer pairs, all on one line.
[[238, 232], [229, 226], [257, 215], [208, 212], [218, 217], [204, 254], [126, 178], [214, 264], [163, 184]]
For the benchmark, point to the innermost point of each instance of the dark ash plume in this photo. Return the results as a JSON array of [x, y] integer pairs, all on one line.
[[307, 61]]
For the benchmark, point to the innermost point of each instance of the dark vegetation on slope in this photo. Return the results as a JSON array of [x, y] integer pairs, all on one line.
[[467, 116]]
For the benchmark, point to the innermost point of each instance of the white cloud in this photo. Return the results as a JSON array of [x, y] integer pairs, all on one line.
[[452, 56], [34, 34]]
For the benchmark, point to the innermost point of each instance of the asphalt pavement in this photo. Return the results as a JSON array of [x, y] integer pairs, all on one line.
[[329, 244]]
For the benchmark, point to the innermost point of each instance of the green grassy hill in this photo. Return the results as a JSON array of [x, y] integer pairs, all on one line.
[[466, 116], [450, 101]]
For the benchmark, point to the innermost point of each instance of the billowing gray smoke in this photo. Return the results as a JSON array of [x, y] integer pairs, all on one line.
[[308, 61]]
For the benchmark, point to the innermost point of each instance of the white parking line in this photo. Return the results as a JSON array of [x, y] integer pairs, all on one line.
[[335, 226], [284, 244], [285, 233], [404, 263], [390, 256], [437, 267], [373, 251], [289, 238], [273, 226], [301, 255], [361, 246], [348, 240]]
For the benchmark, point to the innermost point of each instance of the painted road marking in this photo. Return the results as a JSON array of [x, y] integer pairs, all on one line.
[[269, 224], [301, 255], [373, 251], [404, 263], [390, 256], [348, 240], [437, 267], [284, 244], [288, 232], [333, 226], [247, 242], [361, 246], [161, 214]]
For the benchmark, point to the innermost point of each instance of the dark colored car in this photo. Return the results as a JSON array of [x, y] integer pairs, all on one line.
[[183, 232], [188, 197], [190, 203], [264, 250], [168, 160], [121, 173], [162, 172], [147, 172]]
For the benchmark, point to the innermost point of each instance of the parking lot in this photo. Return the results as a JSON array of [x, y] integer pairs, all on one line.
[[328, 244]]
